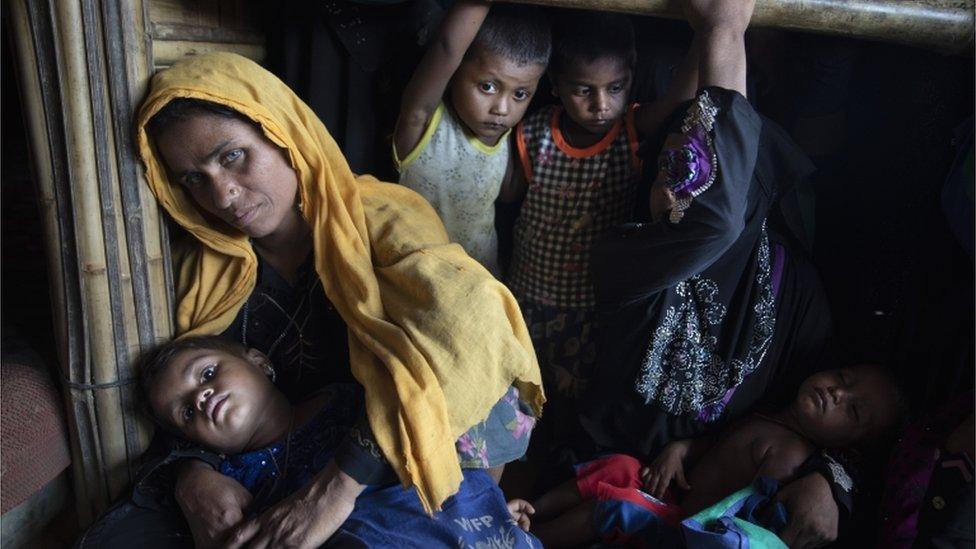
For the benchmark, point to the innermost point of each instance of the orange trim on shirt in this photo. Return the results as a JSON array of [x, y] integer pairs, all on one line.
[[523, 152], [594, 149]]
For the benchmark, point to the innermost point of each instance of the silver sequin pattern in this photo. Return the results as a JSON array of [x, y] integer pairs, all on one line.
[[682, 373], [701, 113]]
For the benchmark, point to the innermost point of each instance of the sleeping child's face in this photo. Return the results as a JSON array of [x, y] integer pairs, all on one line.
[[594, 93], [216, 398], [490, 93], [846, 407]]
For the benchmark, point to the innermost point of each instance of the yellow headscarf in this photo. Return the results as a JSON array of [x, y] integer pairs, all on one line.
[[433, 338]]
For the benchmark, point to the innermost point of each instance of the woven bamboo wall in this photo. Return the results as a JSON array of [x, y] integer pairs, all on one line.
[[83, 67], [180, 28]]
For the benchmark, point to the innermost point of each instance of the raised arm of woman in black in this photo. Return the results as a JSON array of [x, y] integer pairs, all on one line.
[[705, 171], [720, 144]]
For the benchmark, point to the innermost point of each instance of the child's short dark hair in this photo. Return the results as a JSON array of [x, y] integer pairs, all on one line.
[[156, 360], [582, 37], [519, 33]]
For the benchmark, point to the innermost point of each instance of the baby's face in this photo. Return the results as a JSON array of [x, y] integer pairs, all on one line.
[[595, 94], [491, 92], [214, 398], [840, 408]]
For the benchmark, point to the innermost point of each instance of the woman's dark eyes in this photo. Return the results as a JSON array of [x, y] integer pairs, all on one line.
[[232, 155], [209, 372], [488, 87], [188, 413], [521, 95], [192, 180]]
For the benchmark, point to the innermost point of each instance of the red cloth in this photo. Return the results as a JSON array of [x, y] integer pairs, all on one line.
[[626, 515], [33, 437], [617, 470]]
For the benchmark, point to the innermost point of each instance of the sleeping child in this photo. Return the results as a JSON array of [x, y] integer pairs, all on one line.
[[215, 393], [614, 497]]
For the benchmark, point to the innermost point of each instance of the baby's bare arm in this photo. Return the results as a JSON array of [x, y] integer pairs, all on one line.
[[780, 457]]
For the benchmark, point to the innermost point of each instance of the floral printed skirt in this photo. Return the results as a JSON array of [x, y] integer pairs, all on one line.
[[501, 438], [565, 343]]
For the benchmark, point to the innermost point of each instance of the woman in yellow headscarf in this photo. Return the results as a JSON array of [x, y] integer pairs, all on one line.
[[438, 345]]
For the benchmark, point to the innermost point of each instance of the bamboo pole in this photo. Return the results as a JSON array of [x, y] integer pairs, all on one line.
[[94, 221], [127, 70], [83, 66], [40, 93], [943, 25]]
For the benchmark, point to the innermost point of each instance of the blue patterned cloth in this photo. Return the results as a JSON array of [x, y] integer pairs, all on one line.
[[475, 517], [274, 472], [384, 516], [501, 438], [748, 519]]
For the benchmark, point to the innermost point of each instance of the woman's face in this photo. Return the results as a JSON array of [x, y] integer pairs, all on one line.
[[232, 171]]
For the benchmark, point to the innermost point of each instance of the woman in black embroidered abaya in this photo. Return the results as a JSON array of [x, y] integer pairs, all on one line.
[[705, 310]]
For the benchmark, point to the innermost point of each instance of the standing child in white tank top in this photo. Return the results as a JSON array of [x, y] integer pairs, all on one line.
[[453, 148]]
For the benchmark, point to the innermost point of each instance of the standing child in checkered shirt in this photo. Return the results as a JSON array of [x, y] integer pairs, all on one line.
[[578, 171], [453, 147]]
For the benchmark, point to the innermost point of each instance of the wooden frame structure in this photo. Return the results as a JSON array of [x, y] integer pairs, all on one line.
[[83, 67], [941, 25]]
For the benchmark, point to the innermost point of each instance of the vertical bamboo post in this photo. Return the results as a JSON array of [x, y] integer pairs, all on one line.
[[83, 66]]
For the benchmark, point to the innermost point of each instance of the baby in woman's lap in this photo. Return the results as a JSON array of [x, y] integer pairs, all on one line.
[[213, 392]]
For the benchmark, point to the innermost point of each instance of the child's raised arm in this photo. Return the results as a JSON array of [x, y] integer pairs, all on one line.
[[430, 79]]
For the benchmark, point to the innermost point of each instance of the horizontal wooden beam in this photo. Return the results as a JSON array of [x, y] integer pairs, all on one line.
[[166, 52], [943, 25], [195, 33]]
